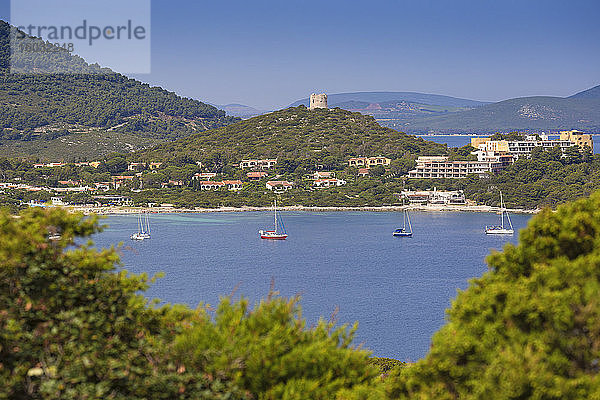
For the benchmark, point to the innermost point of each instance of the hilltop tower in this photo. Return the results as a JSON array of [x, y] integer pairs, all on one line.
[[318, 101]]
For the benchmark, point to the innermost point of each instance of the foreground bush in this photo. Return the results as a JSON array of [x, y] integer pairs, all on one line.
[[71, 327], [530, 327]]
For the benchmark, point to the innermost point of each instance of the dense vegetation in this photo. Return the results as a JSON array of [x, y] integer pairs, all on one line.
[[529, 328], [39, 104], [72, 326], [295, 136], [29, 101], [546, 179]]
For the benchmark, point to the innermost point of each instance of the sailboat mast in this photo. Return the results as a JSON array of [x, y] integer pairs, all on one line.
[[501, 211], [147, 224], [275, 212]]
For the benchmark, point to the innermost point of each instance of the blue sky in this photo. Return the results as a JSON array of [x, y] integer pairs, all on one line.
[[269, 53]]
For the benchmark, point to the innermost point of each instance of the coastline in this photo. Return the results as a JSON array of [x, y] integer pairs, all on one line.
[[117, 210]]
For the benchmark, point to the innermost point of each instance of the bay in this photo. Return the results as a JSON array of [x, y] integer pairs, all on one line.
[[396, 288]]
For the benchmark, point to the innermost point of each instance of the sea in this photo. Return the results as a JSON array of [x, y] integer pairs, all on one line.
[[343, 265], [462, 140]]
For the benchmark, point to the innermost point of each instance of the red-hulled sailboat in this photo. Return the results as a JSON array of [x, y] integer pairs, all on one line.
[[278, 231]]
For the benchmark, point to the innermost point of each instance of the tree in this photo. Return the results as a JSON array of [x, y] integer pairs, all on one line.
[[378, 170], [269, 352], [71, 326], [530, 327], [514, 136]]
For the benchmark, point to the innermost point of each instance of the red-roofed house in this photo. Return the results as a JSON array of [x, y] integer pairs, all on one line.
[[256, 175], [323, 175], [205, 175], [363, 172], [119, 180], [69, 183]]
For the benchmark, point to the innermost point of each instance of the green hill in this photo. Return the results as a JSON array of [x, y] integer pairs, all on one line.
[[86, 99], [298, 134]]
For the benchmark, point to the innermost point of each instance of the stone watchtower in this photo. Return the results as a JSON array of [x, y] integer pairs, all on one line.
[[318, 101]]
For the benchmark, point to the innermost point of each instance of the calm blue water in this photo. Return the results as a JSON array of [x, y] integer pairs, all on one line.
[[459, 141], [396, 288]]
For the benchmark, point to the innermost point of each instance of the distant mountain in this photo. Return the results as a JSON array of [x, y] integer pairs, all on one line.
[[581, 111], [395, 108], [426, 113], [240, 110], [381, 97], [593, 93]]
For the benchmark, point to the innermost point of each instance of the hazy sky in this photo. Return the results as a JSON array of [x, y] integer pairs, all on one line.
[[269, 53]]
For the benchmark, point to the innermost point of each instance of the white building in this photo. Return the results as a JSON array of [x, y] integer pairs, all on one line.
[[429, 167], [330, 182], [57, 201], [520, 148], [434, 197], [258, 164], [279, 186]]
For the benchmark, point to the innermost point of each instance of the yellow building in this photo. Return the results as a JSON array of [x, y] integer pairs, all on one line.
[[578, 138], [476, 141], [494, 146], [368, 162]]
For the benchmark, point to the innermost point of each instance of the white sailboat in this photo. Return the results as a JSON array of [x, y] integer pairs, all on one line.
[[143, 228], [406, 230], [501, 229], [278, 231]]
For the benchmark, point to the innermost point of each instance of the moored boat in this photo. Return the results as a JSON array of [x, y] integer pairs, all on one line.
[[501, 229], [278, 231], [406, 230], [143, 228]]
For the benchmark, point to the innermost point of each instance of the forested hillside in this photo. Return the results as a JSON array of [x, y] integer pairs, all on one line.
[[37, 105], [296, 134]]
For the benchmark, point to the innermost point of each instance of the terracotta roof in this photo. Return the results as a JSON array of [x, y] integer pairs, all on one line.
[[212, 183], [279, 183], [256, 174]]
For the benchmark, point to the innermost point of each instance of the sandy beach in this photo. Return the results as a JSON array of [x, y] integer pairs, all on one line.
[[121, 210]]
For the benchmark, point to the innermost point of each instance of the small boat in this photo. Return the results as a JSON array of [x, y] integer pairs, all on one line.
[[501, 229], [278, 231], [143, 228], [404, 231]]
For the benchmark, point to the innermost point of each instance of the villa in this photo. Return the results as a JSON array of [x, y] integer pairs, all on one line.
[[258, 164], [368, 162], [279, 186], [325, 183]]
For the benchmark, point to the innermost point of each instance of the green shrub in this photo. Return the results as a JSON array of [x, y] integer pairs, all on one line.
[[530, 327]]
